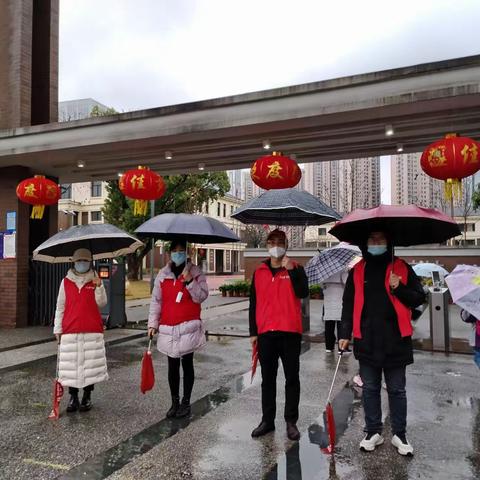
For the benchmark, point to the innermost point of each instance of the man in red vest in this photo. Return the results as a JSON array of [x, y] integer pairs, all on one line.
[[379, 296], [278, 284]]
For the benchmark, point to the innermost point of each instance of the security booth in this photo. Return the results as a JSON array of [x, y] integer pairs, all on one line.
[[112, 274]]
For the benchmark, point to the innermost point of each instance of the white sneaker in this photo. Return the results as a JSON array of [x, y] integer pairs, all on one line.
[[402, 448], [373, 442], [328, 351]]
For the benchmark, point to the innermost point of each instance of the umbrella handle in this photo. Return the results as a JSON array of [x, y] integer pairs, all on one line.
[[334, 376], [150, 343]]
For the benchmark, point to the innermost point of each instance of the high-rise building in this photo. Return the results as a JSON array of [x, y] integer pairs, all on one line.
[[411, 185], [78, 109], [235, 179], [250, 189], [345, 184]]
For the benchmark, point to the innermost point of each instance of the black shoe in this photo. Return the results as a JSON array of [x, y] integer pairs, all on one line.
[[184, 409], [73, 404], [292, 431], [263, 429], [86, 404], [174, 408]]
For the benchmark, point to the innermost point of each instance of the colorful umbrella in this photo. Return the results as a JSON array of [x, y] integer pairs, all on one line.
[[329, 262], [254, 360], [329, 416], [426, 269], [464, 286], [148, 375], [57, 395], [405, 225]]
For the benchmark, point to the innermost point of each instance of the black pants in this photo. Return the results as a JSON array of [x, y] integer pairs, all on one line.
[[372, 403], [188, 376], [74, 390], [271, 347], [330, 338]]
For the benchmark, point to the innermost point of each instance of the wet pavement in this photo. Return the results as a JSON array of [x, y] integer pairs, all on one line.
[[126, 435]]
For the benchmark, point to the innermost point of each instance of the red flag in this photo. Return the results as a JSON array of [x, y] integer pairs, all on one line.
[[330, 420], [148, 375], [57, 395], [254, 360]]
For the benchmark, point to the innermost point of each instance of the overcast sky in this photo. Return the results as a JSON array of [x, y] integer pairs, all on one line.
[[135, 54]]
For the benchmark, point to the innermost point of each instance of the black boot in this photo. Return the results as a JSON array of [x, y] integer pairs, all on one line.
[[86, 404], [73, 404], [184, 409], [263, 429], [174, 408]]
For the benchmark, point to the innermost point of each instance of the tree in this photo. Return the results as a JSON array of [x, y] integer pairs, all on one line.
[[476, 197], [186, 193], [254, 236], [465, 204], [96, 111]]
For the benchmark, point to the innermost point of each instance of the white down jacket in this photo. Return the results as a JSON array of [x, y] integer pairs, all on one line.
[[82, 359], [332, 296], [188, 336]]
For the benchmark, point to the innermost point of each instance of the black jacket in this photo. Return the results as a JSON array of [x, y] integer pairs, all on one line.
[[381, 344], [299, 281]]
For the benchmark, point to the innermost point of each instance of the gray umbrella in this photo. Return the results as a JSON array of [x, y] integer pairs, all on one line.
[[286, 206], [187, 227], [103, 240]]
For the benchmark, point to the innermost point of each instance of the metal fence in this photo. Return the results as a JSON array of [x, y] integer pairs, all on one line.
[[44, 282]]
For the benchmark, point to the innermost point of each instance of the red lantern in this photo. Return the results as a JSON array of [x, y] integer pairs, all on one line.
[[451, 159], [38, 191], [142, 185], [275, 171]]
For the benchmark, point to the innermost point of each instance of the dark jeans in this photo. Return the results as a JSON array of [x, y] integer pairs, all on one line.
[[271, 347], [330, 338], [397, 397], [74, 390], [188, 376]]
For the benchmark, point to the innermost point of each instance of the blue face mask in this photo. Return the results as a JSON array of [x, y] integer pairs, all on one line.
[[178, 258], [82, 266], [377, 249]]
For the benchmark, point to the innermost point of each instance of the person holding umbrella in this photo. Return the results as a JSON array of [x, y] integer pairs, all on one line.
[[79, 331], [275, 317], [379, 294], [175, 308]]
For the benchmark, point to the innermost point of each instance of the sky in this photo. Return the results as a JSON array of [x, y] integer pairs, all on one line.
[[136, 54]]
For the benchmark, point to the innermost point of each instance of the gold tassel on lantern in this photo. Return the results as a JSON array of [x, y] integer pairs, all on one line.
[[453, 189], [140, 208], [37, 212]]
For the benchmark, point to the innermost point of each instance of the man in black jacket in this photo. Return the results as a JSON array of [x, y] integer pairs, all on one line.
[[377, 302]]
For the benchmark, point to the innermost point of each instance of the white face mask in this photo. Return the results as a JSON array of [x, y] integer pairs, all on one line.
[[276, 252], [82, 266]]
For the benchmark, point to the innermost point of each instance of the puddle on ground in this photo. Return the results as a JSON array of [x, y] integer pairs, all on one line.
[[115, 458], [304, 460]]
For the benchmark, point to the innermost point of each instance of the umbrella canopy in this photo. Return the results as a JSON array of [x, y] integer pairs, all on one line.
[[103, 240], [426, 269], [286, 206], [405, 225], [329, 262], [464, 286], [187, 227]]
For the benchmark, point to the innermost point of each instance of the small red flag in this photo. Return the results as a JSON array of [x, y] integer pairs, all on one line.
[[57, 395]]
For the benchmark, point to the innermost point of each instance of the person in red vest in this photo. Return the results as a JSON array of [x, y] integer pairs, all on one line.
[[175, 311], [379, 296], [78, 327], [275, 317]]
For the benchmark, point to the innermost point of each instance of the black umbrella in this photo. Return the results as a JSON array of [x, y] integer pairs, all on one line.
[[286, 206], [103, 240], [186, 227]]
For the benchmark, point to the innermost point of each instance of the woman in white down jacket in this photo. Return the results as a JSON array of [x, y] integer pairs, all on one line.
[[79, 330], [180, 288]]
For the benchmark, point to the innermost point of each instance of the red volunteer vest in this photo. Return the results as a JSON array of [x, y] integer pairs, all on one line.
[[173, 312], [81, 313], [278, 308], [404, 314]]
